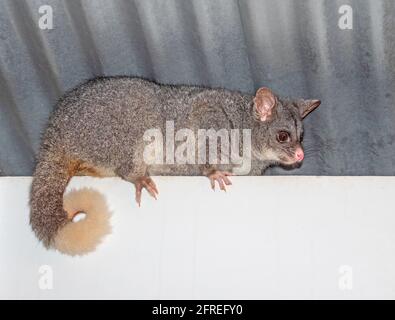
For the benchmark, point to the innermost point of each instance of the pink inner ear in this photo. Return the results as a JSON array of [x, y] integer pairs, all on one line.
[[264, 113], [264, 102]]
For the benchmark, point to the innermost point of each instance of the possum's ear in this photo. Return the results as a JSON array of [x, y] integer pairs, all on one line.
[[264, 103], [306, 106]]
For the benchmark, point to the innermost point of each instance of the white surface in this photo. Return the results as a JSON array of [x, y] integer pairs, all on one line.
[[267, 237]]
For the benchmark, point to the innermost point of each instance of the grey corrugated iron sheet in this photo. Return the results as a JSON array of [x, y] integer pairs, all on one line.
[[294, 47]]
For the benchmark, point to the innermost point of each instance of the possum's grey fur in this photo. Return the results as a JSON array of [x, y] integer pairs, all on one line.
[[97, 130]]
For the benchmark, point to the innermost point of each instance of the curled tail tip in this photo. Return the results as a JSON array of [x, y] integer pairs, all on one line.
[[83, 236]]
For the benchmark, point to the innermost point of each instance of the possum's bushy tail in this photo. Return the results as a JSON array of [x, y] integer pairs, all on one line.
[[51, 216]]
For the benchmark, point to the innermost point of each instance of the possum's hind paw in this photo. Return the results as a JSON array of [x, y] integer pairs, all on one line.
[[145, 183], [222, 179]]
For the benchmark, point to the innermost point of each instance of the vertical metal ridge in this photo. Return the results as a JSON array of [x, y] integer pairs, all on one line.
[[27, 31], [12, 123], [130, 8], [77, 15]]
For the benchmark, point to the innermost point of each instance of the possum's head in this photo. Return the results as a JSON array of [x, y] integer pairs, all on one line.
[[277, 132]]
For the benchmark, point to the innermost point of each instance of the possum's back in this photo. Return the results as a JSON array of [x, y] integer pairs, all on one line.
[[111, 114], [126, 102], [125, 96], [103, 115]]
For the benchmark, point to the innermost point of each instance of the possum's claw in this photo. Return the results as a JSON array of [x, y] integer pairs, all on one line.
[[221, 177], [145, 183]]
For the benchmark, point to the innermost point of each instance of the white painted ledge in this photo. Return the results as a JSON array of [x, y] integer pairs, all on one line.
[[267, 237]]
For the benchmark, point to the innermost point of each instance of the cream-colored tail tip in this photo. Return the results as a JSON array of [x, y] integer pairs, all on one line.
[[83, 236]]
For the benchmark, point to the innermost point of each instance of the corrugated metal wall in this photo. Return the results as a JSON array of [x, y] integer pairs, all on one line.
[[294, 47]]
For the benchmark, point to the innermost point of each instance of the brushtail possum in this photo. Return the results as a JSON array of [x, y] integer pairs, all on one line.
[[100, 129]]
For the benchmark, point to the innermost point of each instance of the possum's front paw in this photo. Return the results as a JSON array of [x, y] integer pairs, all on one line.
[[221, 177], [145, 183]]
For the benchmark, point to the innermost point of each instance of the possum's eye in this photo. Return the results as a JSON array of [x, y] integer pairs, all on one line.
[[283, 136]]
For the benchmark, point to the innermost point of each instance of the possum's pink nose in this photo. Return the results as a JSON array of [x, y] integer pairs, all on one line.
[[299, 154]]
